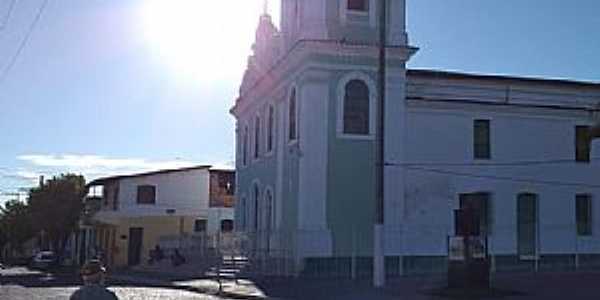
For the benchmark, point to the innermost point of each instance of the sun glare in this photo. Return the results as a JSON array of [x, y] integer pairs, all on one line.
[[200, 39]]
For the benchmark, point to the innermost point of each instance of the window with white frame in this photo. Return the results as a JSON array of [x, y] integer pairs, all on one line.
[[356, 108]]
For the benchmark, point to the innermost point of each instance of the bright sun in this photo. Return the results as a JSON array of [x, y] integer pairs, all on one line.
[[200, 39]]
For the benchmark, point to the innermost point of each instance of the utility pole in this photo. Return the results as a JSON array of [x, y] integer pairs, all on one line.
[[378, 243]]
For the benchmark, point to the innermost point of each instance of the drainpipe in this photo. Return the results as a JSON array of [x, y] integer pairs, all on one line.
[[378, 235]]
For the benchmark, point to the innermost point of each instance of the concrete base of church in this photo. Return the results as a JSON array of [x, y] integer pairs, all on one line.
[[378, 256], [395, 266]]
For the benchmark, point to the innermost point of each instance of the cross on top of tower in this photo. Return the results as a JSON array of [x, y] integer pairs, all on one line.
[[265, 7]]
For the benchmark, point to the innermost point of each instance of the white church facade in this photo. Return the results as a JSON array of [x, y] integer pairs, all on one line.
[[515, 149]]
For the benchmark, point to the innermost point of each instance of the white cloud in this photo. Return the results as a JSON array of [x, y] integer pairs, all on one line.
[[224, 165], [94, 166]]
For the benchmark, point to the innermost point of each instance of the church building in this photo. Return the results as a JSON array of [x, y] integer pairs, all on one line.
[[514, 149]]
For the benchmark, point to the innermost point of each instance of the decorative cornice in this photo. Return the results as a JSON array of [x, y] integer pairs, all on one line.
[[295, 58]]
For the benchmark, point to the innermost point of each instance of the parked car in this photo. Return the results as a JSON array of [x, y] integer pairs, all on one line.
[[44, 260]]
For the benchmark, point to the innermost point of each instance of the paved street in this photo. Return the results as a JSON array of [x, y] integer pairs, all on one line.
[[22, 284]]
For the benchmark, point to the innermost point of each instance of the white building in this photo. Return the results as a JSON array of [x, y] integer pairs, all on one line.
[[134, 213], [513, 148]]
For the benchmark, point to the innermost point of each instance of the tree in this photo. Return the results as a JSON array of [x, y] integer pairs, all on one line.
[[56, 208], [15, 224]]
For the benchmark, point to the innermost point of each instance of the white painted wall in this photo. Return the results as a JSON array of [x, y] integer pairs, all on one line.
[[187, 192], [442, 133]]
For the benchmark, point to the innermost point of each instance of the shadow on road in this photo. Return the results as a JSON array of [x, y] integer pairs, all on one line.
[[62, 279]]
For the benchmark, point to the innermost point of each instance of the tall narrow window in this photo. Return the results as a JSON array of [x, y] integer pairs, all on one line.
[[269, 218], [256, 137], [270, 128], [256, 207], [356, 108], [583, 214], [241, 221], [481, 139], [245, 147], [479, 205], [582, 143], [358, 5], [292, 118], [269, 211]]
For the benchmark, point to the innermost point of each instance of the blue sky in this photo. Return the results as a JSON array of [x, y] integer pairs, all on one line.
[[98, 91]]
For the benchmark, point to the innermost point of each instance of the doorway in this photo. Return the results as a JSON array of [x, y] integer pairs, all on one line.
[[136, 237], [527, 228]]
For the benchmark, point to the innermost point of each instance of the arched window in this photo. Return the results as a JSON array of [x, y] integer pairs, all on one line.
[[256, 207], [245, 147], [270, 128], [356, 108], [256, 137], [242, 214], [269, 207], [292, 117]]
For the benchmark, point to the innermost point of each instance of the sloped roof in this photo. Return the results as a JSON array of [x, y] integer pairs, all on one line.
[[104, 180], [506, 78]]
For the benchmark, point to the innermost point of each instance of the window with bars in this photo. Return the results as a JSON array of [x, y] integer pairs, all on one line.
[[583, 214], [356, 108], [582, 143], [481, 139]]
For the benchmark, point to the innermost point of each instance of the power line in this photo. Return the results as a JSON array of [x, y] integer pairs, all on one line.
[[504, 178], [32, 27], [8, 14], [490, 164]]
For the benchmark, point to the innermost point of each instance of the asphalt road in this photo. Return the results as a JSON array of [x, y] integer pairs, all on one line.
[[23, 284]]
